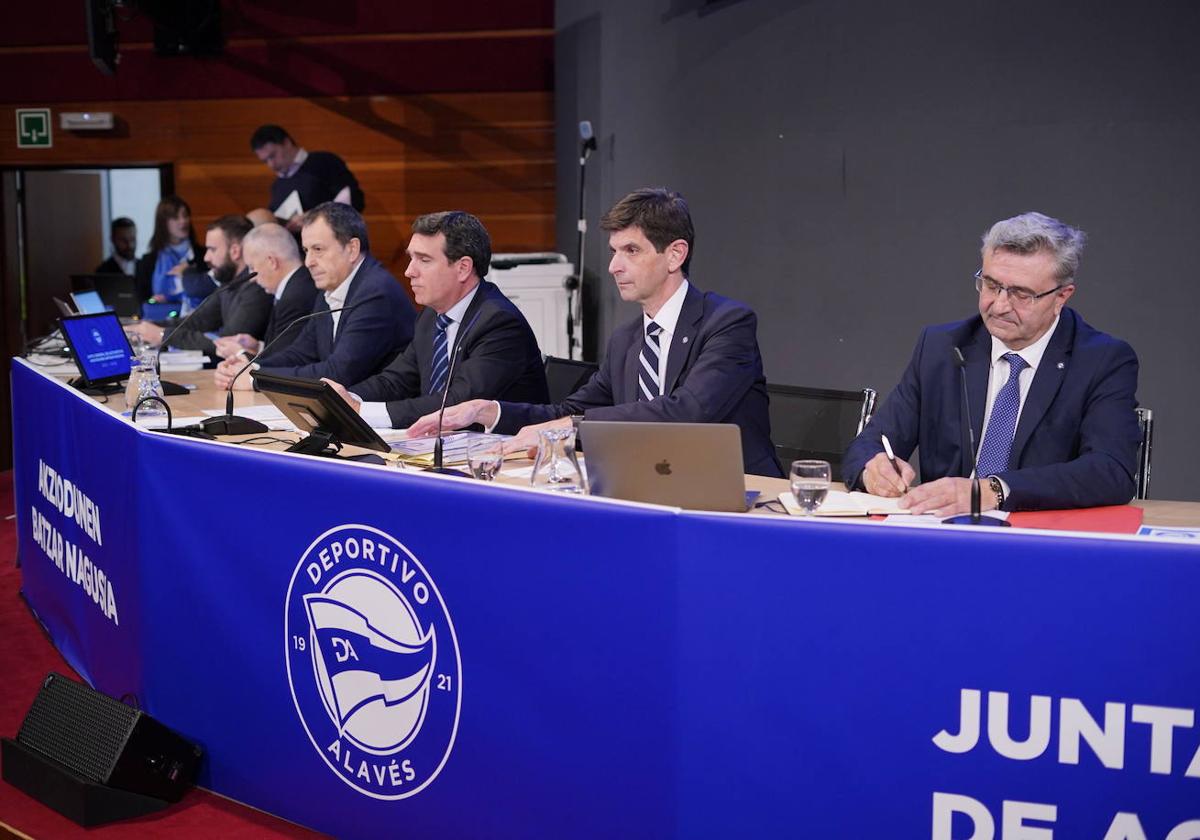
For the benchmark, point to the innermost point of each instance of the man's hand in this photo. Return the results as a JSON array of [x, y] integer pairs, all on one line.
[[946, 497], [150, 333], [232, 345], [344, 394], [526, 440], [880, 479], [457, 417], [178, 269], [228, 369]]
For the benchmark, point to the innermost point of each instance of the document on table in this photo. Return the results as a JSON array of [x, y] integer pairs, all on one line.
[[838, 503]]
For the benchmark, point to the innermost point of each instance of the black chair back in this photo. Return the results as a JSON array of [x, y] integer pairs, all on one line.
[[817, 423], [565, 376]]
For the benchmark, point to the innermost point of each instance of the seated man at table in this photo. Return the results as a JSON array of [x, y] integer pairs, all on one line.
[[691, 357], [241, 306], [466, 318], [345, 346], [1051, 398], [274, 257]]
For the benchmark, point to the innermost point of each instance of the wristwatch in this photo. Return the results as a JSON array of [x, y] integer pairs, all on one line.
[[997, 488]]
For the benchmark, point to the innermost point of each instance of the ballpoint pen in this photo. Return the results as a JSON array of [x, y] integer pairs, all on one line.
[[887, 448]]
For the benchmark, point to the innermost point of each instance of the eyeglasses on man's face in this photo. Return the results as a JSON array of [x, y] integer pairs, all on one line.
[[1017, 295]]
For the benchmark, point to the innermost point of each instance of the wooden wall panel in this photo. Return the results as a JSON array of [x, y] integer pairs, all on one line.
[[489, 153]]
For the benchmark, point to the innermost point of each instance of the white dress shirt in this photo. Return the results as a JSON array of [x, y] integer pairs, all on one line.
[[667, 318], [999, 373], [337, 298], [376, 413], [283, 284]]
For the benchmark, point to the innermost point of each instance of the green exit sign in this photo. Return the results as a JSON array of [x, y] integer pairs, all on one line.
[[33, 128]]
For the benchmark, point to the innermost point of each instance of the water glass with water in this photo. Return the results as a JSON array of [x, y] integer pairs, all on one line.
[[144, 382], [485, 455], [556, 467], [810, 484]]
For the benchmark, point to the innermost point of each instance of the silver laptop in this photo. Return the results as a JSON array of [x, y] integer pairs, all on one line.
[[697, 466]]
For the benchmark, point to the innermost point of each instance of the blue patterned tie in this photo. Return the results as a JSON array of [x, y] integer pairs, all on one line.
[[441, 360], [997, 443], [648, 382]]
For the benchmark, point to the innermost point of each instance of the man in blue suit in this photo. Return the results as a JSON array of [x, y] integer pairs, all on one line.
[[691, 357], [343, 346], [1051, 399], [466, 320]]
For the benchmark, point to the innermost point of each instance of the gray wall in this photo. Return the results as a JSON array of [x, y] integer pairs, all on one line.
[[842, 159]]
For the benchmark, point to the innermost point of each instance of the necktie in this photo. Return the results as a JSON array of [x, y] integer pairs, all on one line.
[[997, 443], [441, 360], [648, 382]]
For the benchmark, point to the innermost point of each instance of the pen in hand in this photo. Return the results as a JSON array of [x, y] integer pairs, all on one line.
[[887, 448]]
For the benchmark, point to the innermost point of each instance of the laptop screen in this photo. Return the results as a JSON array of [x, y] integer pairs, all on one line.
[[89, 302], [102, 351]]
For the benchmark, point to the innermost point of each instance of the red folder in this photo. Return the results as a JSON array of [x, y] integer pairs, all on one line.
[[1115, 519]]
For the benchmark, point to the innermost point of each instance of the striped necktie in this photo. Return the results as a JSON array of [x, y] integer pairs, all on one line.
[[997, 442], [441, 360], [649, 385]]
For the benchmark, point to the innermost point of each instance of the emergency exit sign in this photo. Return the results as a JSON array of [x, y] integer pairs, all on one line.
[[33, 128]]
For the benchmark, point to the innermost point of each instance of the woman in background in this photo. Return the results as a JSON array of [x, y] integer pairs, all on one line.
[[172, 247]]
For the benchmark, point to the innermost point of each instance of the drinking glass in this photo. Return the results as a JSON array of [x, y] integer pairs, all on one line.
[[144, 382], [810, 484], [556, 467], [485, 455]]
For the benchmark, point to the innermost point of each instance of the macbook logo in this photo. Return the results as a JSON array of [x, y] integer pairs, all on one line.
[[663, 467]]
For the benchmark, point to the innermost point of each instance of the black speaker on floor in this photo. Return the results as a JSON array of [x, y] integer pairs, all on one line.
[[94, 759]]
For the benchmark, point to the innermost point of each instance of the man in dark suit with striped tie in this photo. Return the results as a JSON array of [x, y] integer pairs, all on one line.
[[691, 357], [464, 316]]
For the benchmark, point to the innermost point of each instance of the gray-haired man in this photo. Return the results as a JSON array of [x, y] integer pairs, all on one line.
[[1051, 399]]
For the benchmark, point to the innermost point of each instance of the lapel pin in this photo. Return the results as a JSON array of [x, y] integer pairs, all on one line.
[[685, 339], [1061, 365]]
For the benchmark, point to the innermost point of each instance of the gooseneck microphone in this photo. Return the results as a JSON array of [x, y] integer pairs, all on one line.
[[171, 389], [968, 442], [574, 284], [229, 423], [437, 444]]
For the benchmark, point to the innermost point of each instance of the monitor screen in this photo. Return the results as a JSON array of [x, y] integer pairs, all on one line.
[[102, 352], [89, 302]]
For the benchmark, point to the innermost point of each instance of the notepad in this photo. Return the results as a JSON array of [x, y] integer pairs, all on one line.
[[838, 503], [289, 207]]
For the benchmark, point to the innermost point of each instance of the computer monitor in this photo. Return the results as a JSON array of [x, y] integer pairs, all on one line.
[[88, 302], [64, 308], [317, 409], [120, 292], [100, 347]]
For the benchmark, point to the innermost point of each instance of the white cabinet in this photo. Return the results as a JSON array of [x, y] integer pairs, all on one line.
[[536, 283]]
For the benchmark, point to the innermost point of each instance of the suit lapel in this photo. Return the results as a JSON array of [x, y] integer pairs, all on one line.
[[629, 389], [1051, 372], [684, 339]]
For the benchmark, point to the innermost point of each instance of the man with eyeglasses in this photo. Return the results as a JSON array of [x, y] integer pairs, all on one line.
[[1051, 400]]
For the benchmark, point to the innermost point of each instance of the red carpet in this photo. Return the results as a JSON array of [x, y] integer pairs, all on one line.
[[26, 655]]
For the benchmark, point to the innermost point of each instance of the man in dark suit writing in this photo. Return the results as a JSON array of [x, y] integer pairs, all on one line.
[[1051, 399], [691, 356], [497, 354], [345, 346], [273, 255]]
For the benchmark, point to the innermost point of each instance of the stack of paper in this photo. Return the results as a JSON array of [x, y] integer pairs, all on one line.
[[838, 503]]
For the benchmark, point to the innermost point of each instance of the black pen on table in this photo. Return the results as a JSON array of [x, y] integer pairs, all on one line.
[[887, 448]]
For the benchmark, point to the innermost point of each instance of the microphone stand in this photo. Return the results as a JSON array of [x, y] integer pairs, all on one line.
[[171, 389], [575, 284], [437, 445], [974, 517], [229, 423]]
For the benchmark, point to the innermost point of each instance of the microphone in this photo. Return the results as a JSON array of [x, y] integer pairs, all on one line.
[[968, 441], [437, 445], [170, 389], [587, 139], [229, 423]]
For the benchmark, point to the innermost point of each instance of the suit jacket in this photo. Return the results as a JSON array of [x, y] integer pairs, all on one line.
[[1076, 440], [298, 298], [498, 358], [714, 375], [111, 266], [368, 337], [241, 307]]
